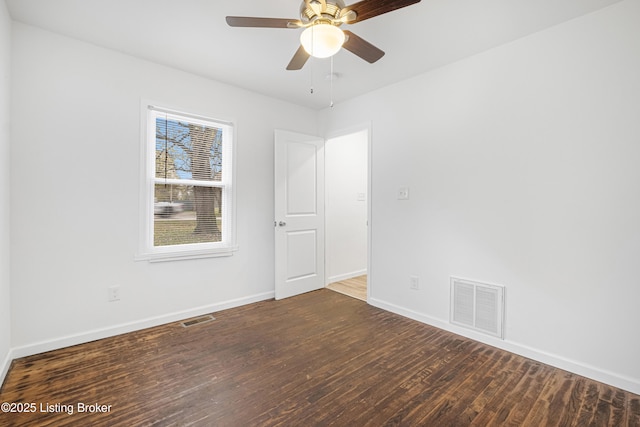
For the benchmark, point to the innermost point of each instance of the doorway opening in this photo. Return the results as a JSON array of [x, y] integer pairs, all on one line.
[[355, 287], [347, 213]]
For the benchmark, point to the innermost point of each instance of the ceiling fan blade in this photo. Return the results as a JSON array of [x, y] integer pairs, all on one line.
[[361, 48], [298, 60], [366, 9], [247, 21]]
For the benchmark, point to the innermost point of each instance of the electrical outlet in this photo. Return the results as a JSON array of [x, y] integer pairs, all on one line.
[[414, 283], [114, 293]]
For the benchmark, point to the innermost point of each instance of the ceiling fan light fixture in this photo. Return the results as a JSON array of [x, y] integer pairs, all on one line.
[[322, 40]]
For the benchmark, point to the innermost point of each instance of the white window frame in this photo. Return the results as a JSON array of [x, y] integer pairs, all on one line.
[[147, 251]]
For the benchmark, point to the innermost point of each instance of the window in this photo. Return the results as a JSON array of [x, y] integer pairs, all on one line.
[[187, 195]]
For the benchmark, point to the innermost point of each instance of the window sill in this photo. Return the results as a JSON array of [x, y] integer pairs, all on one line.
[[185, 255]]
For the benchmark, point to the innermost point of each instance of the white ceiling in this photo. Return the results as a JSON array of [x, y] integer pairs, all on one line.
[[192, 35]]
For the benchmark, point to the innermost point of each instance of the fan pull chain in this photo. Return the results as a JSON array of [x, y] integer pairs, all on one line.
[[331, 85], [311, 64], [311, 74]]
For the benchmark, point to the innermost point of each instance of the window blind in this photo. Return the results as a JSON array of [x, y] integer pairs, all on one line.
[[191, 179]]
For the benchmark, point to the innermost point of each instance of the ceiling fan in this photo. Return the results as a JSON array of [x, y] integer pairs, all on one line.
[[320, 19]]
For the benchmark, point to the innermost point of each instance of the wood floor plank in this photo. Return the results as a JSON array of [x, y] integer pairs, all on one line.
[[526, 392], [355, 287], [438, 388], [493, 407], [462, 395], [543, 412], [419, 379], [316, 359], [588, 405], [633, 411], [399, 376]]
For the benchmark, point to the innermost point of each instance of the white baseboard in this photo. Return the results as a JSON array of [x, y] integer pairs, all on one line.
[[345, 276], [4, 367], [616, 380], [123, 328]]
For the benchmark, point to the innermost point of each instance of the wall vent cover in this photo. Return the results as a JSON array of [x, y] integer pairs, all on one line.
[[477, 306]]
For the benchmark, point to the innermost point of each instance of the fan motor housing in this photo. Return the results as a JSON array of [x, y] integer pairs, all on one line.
[[331, 11]]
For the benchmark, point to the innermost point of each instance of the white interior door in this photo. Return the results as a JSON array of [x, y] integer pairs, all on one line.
[[299, 213]]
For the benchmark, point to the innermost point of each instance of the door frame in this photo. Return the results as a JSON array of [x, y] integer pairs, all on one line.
[[366, 126]]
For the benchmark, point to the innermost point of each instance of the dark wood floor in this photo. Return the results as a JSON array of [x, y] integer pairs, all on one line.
[[317, 359]]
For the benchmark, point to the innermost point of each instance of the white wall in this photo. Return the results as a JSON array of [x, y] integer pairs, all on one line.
[[522, 164], [5, 291], [346, 163], [75, 171]]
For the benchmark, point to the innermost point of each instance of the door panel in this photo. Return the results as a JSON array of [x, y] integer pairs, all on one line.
[[301, 254], [299, 213], [301, 178]]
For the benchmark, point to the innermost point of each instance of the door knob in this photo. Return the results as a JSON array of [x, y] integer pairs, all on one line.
[[282, 223]]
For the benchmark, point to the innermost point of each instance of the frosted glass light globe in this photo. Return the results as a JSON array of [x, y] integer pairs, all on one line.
[[322, 40]]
